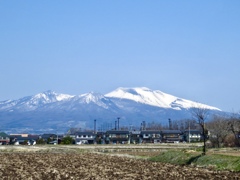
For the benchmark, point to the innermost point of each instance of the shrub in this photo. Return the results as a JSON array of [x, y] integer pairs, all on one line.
[[67, 140], [229, 141], [40, 141]]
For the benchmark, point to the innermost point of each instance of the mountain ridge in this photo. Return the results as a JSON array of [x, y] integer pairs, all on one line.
[[51, 110]]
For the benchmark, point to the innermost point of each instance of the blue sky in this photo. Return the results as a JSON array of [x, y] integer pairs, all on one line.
[[190, 49]]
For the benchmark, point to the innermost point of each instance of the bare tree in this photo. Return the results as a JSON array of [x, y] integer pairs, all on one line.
[[184, 124], [234, 127], [175, 125], [73, 130], [200, 115], [154, 126], [218, 128]]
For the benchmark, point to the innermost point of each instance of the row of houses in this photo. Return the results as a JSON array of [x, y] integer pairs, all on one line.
[[135, 137], [27, 139], [107, 137]]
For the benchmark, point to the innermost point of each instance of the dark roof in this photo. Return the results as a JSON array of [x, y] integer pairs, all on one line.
[[29, 137], [19, 138], [117, 132], [193, 131], [171, 131], [100, 132], [14, 136], [48, 136], [150, 132]]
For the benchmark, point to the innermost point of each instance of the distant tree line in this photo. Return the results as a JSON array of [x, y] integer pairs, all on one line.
[[224, 132], [219, 131]]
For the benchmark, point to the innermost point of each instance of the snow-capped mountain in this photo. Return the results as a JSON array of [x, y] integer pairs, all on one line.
[[56, 111], [96, 98], [155, 98], [34, 102]]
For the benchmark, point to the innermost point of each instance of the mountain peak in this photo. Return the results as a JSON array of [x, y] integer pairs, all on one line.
[[154, 98], [61, 110], [51, 96], [131, 89], [91, 97], [94, 98], [143, 95]]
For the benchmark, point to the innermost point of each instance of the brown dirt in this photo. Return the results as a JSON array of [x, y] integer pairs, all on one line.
[[96, 166], [140, 153]]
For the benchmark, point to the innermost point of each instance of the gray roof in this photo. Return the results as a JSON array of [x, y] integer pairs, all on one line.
[[136, 132]]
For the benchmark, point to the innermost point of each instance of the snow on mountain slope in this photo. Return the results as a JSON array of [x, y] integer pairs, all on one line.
[[154, 98], [141, 95], [48, 97], [94, 98], [91, 97], [33, 102], [134, 105]]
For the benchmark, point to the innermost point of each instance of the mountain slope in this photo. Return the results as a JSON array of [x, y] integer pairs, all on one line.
[[33, 102], [154, 98], [51, 110]]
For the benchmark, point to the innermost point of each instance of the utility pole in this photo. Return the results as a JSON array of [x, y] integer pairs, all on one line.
[[130, 127], [170, 123], [189, 131], [95, 126], [144, 125], [118, 122], [57, 138]]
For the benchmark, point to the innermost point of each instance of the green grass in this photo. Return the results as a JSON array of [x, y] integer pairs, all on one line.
[[217, 161], [220, 162], [174, 157]]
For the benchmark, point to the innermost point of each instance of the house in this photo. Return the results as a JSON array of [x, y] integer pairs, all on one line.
[[22, 135], [100, 137], [86, 137], [192, 135], [117, 137], [47, 138], [4, 138], [135, 137], [151, 136], [23, 139], [174, 136], [54, 142]]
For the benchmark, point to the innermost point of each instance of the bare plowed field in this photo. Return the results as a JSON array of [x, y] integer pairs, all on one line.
[[96, 166]]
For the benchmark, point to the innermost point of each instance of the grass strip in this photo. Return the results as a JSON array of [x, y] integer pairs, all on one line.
[[216, 161]]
